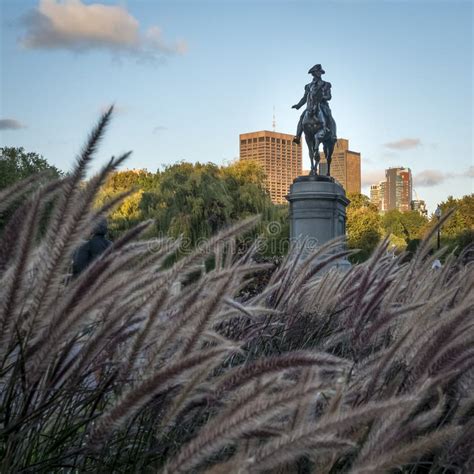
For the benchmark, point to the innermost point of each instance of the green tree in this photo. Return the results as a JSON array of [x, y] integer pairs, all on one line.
[[392, 222], [197, 200], [17, 164], [462, 218], [245, 181], [193, 201], [129, 212], [364, 226], [360, 200], [413, 223], [458, 231], [403, 227]]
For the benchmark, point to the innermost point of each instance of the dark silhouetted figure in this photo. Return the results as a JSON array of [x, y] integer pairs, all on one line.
[[91, 249], [317, 121]]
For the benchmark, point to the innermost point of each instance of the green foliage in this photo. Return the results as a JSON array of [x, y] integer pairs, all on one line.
[[364, 226], [361, 200], [129, 212], [413, 224], [17, 164], [275, 231], [405, 225], [195, 201], [458, 231], [403, 228], [364, 231], [397, 244], [393, 224]]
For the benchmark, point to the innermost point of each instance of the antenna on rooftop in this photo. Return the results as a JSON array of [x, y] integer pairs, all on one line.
[[274, 120]]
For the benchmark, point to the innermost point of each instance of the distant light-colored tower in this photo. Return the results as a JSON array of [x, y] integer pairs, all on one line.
[[375, 195], [345, 166], [280, 158], [419, 206], [378, 195], [383, 196], [399, 189]]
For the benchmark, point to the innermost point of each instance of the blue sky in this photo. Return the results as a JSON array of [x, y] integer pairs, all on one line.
[[188, 76]]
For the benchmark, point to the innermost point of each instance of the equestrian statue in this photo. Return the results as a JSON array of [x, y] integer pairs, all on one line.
[[316, 121]]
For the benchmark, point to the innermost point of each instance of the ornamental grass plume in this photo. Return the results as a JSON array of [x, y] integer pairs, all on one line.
[[322, 371]]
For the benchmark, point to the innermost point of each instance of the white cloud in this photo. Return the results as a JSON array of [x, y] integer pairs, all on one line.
[[10, 124], [429, 178], [404, 144], [73, 25], [154, 38]]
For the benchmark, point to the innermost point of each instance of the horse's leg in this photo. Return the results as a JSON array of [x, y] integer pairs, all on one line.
[[310, 144], [325, 150], [316, 151], [329, 155]]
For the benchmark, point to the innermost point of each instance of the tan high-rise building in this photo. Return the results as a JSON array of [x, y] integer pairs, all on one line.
[[280, 158], [345, 166]]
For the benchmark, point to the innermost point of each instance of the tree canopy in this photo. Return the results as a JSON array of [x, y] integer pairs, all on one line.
[[458, 231], [195, 201], [17, 164], [364, 226]]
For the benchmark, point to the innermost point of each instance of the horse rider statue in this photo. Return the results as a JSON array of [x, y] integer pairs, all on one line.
[[316, 121]]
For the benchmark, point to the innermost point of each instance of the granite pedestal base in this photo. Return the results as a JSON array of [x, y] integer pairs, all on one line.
[[317, 211]]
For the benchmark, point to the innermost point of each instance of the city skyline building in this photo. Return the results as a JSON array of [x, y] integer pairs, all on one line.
[[378, 193], [383, 196], [419, 206], [399, 188], [404, 190], [396, 192], [345, 166], [375, 198], [280, 158]]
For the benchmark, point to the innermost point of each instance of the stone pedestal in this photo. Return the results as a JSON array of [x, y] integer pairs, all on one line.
[[317, 210]]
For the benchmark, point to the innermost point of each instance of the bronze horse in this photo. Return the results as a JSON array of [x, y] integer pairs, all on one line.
[[317, 121], [318, 130]]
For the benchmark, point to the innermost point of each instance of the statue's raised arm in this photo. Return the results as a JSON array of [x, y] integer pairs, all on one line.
[[303, 99]]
